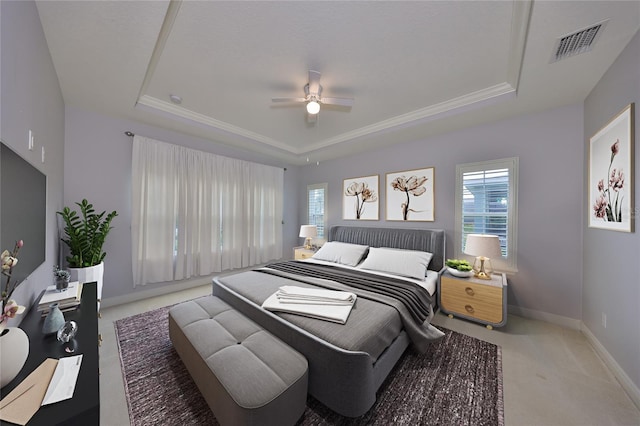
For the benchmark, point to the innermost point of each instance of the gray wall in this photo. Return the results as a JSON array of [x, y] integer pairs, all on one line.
[[101, 156], [31, 99], [550, 147], [611, 262]]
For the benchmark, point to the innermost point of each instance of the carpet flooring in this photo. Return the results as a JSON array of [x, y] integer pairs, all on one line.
[[457, 382]]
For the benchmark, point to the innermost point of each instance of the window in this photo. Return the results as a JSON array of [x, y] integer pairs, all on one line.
[[317, 207], [486, 203]]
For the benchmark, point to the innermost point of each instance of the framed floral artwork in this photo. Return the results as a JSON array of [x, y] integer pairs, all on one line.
[[410, 195], [610, 184], [360, 198]]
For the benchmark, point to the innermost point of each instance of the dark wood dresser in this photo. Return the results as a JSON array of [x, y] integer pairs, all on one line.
[[84, 408]]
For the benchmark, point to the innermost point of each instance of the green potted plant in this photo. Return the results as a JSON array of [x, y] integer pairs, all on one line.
[[459, 267], [85, 235]]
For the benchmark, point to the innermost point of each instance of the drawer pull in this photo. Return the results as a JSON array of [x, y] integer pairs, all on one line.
[[469, 291], [469, 308]]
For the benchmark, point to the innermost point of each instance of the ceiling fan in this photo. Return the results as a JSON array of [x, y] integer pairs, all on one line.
[[313, 96]]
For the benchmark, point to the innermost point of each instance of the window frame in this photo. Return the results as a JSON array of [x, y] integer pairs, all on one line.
[[509, 263], [313, 187]]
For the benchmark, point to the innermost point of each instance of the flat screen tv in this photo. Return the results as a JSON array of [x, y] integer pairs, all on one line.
[[23, 209]]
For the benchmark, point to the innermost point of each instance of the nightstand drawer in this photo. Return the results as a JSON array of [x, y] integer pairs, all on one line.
[[300, 253], [480, 301], [303, 255]]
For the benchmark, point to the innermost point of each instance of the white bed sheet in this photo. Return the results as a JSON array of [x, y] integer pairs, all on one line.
[[429, 283]]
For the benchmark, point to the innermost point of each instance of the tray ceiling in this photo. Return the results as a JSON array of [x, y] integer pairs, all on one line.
[[414, 68]]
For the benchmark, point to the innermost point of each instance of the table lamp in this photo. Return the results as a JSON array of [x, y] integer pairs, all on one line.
[[484, 247], [308, 232]]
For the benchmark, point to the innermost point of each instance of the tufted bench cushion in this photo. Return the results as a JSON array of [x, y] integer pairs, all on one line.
[[246, 375]]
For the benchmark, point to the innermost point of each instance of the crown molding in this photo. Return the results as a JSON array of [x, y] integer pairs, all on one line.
[[520, 19], [165, 31], [519, 29], [175, 111], [432, 112]]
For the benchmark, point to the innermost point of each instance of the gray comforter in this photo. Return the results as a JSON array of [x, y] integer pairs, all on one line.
[[412, 303], [415, 298], [371, 327], [375, 320]]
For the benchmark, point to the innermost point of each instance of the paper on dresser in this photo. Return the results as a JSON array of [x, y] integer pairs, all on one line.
[[24, 401], [63, 382]]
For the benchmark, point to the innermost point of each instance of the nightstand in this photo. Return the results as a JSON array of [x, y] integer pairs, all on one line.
[[483, 301], [302, 253]]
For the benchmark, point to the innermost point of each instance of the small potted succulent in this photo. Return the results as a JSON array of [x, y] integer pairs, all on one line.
[[459, 267], [61, 277]]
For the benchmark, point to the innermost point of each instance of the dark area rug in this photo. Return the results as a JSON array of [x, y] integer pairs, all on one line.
[[457, 382]]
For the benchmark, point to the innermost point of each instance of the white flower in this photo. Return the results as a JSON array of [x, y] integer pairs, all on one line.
[[11, 309], [8, 261]]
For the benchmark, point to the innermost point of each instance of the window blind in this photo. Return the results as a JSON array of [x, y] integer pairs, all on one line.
[[316, 207], [485, 204]]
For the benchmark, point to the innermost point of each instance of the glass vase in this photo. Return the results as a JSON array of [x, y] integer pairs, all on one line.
[[53, 321]]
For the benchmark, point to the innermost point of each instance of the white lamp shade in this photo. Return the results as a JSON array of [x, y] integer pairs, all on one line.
[[313, 107], [483, 245], [308, 231]]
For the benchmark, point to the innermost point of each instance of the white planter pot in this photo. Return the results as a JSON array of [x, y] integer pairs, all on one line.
[[89, 275], [14, 350]]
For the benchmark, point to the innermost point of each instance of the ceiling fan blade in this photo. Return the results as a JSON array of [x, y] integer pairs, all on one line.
[[338, 101], [314, 82], [288, 100]]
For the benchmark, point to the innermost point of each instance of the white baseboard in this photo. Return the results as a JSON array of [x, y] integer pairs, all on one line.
[[566, 322], [625, 381], [154, 290]]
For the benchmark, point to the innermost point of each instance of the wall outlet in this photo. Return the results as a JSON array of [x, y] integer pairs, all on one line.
[[604, 320], [30, 142]]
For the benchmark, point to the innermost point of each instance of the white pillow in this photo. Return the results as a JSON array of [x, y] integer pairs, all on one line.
[[408, 263], [345, 253]]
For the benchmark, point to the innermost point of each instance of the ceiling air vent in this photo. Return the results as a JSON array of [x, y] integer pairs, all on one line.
[[578, 42]]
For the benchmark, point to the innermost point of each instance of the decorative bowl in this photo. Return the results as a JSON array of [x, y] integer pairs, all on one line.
[[462, 274]]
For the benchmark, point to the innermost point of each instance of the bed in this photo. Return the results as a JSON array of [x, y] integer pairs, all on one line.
[[347, 363]]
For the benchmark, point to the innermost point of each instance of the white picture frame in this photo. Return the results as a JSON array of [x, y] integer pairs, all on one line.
[[611, 174], [361, 198], [410, 195]]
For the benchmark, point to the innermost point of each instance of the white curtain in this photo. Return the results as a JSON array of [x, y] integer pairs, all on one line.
[[195, 213]]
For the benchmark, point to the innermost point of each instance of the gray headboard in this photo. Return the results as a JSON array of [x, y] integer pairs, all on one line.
[[431, 240]]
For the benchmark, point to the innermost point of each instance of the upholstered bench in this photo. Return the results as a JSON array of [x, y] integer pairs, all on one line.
[[246, 375]]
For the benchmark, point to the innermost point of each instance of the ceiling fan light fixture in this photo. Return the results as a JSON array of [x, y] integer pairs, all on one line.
[[313, 107]]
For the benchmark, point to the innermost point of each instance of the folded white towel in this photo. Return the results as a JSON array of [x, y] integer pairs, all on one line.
[[333, 313], [313, 301], [293, 294]]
